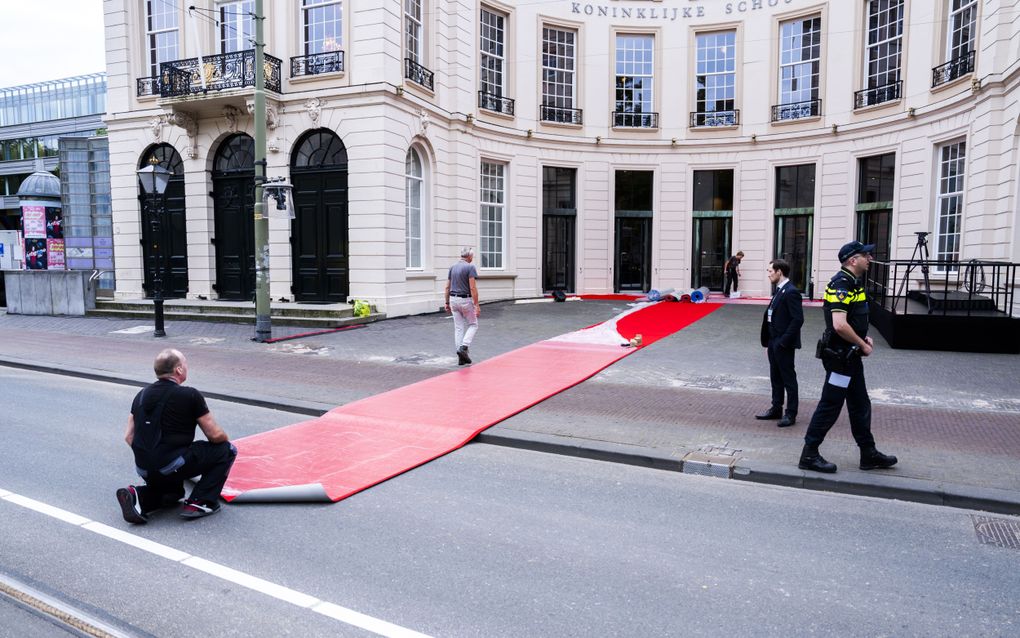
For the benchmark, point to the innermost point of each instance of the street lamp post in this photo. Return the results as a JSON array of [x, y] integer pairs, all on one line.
[[154, 179]]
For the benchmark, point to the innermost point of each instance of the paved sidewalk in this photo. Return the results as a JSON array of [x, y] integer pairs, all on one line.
[[953, 419]]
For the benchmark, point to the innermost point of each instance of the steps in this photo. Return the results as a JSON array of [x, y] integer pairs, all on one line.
[[284, 314]]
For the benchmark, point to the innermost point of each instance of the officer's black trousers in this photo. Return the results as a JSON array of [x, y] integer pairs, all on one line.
[[210, 460], [783, 376], [858, 406]]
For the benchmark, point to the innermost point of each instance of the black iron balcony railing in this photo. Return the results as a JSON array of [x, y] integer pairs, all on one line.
[[418, 74], [715, 118], [495, 103], [796, 110], [878, 94], [316, 63], [146, 86], [561, 115], [216, 73], [955, 68], [954, 287], [625, 119]]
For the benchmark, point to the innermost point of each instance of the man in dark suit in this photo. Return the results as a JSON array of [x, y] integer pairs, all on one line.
[[780, 334]]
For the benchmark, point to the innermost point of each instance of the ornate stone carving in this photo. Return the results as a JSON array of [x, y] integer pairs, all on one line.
[[313, 107], [156, 127], [184, 120], [231, 115], [272, 119], [423, 117]]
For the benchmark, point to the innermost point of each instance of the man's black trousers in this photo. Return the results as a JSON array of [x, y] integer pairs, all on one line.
[[783, 377], [731, 280], [210, 460], [858, 405]]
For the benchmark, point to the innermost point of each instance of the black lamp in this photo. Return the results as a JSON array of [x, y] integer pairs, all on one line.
[[154, 179]]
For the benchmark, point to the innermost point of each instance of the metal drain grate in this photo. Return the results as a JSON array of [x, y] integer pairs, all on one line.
[[997, 531]]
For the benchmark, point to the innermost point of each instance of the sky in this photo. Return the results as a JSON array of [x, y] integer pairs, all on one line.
[[50, 39]]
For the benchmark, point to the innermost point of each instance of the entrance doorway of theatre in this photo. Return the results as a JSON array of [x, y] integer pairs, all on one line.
[[234, 209], [793, 243], [634, 200], [712, 245], [319, 239], [173, 237], [559, 212]]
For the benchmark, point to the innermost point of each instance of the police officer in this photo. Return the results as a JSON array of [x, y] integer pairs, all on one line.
[[845, 341]]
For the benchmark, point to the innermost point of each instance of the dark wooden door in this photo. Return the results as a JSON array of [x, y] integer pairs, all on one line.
[[711, 250], [558, 253], [633, 254], [233, 198], [173, 242], [793, 243], [320, 236], [873, 227]]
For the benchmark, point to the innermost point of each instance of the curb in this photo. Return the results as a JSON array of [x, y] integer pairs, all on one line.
[[876, 485]]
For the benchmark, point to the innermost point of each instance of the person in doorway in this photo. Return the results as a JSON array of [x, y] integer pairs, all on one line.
[[462, 302], [732, 268], [161, 433], [843, 345], [780, 335]]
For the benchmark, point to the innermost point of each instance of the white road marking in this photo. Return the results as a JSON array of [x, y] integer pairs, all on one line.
[[137, 330], [285, 594]]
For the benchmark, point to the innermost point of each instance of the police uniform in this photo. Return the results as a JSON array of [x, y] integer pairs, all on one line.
[[844, 371]]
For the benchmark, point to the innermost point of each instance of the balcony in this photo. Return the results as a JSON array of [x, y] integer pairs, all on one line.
[[955, 68], [317, 63], [707, 119], [145, 87], [418, 74], [878, 95], [495, 103], [561, 115], [796, 110], [624, 119], [216, 73]]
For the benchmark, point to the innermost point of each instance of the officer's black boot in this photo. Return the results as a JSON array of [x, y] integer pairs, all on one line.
[[810, 459], [872, 459]]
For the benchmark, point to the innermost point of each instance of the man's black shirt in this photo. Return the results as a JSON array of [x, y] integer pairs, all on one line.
[[180, 415]]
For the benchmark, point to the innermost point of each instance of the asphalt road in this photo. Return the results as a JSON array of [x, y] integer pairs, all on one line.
[[486, 541]]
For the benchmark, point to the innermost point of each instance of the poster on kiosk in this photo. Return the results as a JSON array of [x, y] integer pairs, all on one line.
[[44, 237]]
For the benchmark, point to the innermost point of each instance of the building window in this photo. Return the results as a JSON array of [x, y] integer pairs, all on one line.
[[799, 64], [237, 26], [885, 45], [493, 42], [795, 187], [559, 188], [713, 190], [492, 206], [716, 79], [559, 76], [414, 180], [877, 178], [413, 30], [952, 158], [323, 28], [634, 81], [161, 33], [962, 18]]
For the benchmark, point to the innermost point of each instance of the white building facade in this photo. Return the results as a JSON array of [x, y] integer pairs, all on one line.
[[592, 147]]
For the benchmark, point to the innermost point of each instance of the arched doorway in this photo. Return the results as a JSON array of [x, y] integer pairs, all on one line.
[[173, 239], [234, 205], [319, 232]]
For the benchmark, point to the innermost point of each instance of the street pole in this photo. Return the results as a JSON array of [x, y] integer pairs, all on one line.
[[157, 282], [263, 325]]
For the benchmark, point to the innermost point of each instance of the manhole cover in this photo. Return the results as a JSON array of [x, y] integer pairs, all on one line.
[[997, 531]]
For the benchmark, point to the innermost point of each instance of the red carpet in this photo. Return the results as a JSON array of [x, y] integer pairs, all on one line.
[[355, 446]]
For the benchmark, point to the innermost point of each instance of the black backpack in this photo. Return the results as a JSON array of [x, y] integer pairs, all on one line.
[[149, 434]]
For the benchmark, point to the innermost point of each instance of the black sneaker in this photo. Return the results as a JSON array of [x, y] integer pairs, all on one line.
[[129, 505], [197, 508], [462, 356]]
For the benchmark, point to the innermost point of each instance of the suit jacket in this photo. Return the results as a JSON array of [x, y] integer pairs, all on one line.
[[787, 318]]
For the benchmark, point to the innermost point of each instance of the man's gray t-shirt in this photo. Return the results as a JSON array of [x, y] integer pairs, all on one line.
[[460, 275]]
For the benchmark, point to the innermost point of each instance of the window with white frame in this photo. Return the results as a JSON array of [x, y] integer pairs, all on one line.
[[885, 43], [237, 26], [414, 208], [492, 30], [952, 160], [715, 80], [413, 30], [161, 33], [492, 210], [800, 52], [559, 75], [323, 25], [962, 18], [635, 69]]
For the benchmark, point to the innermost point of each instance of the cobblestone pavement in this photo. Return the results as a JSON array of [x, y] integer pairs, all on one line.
[[950, 417]]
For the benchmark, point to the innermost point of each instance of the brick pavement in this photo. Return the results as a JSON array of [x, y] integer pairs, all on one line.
[[952, 418]]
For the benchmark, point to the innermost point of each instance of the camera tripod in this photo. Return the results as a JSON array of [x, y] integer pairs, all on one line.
[[919, 258]]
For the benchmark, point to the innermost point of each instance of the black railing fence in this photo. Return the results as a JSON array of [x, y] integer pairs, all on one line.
[[966, 288], [316, 63], [215, 73]]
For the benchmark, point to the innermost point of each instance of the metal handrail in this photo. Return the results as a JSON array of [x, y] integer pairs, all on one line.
[[878, 94], [955, 68], [796, 110], [317, 63], [418, 74], [495, 103], [216, 73]]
